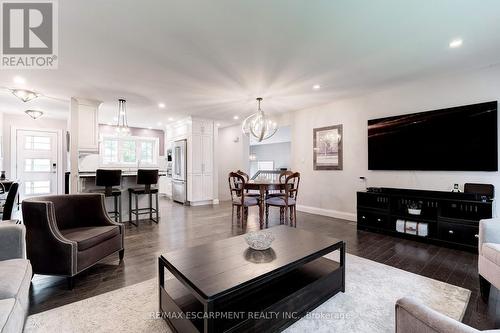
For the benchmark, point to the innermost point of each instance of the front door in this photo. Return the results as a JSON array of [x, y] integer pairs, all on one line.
[[36, 162]]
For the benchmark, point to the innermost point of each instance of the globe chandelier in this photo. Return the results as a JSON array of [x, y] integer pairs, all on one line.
[[258, 125]]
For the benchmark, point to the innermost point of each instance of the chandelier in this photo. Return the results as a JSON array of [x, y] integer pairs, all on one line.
[[122, 125], [259, 125]]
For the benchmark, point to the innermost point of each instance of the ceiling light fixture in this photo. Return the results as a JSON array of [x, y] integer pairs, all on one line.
[[259, 125], [25, 95], [19, 80], [316, 87], [35, 114], [236, 117], [218, 124], [122, 124], [170, 119], [159, 123], [456, 43], [161, 105]]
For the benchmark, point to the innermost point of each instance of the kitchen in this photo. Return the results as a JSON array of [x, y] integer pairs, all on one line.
[[183, 153]]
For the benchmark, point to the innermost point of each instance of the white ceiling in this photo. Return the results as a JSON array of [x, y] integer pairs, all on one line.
[[212, 58]]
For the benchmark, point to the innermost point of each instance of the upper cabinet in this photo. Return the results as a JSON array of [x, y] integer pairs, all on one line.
[[85, 124], [203, 127]]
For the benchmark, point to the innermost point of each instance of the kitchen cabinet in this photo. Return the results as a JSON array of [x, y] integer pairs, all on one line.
[[86, 113], [165, 185]]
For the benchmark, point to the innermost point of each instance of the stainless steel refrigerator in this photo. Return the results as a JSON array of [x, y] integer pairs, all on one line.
[[179, 188]]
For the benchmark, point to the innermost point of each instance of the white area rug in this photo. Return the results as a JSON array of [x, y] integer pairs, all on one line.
[[367, 305]]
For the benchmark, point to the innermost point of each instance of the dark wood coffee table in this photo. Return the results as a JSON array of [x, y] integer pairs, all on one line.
[[226, 287]]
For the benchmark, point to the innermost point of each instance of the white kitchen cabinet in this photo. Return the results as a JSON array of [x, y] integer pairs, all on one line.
[[197, 154], [88, 125], [204, 127], [165, 186]]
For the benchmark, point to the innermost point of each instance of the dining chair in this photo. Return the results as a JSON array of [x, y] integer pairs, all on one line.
[[247, 178], [282, 179], [239, 197], [288, 202]]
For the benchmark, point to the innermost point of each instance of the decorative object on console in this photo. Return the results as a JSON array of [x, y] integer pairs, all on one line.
[[415, 208], [122, 124], [259, 240], [456, 189], [259, 125], [327, 148], [482, 191], [35, 114]]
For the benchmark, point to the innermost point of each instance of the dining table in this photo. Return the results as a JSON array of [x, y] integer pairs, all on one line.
[[263, 185]]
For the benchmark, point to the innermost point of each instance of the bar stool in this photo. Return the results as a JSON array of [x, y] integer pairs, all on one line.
[[146, 177], [108, 179]]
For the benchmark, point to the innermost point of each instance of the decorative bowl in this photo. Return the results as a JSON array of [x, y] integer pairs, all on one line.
[[414, 211], [259, 240]]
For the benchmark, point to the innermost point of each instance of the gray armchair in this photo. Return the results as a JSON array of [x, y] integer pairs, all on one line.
[[67, 234], [15, 277], [489, 255], [413, 316]]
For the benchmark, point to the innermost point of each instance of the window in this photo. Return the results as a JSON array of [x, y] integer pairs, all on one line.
[[37, 165], [37, 187], [37, 142], [129, 151]]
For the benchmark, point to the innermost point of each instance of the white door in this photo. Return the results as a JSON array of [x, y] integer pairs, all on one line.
[[36, 162]]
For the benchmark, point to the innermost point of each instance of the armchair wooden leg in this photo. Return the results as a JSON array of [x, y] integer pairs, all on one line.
[[71, 282], [281, 215], [295, 216], [484, 287], [121, 254]]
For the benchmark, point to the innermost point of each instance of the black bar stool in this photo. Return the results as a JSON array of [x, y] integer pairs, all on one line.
[[108, 179], [146, 177]]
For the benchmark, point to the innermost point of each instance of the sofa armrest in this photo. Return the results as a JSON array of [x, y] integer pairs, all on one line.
[[12, 241], [413, 316], [489, 232]]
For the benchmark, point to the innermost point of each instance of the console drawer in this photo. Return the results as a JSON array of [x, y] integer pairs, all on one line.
[[458, 233], [374, 220]]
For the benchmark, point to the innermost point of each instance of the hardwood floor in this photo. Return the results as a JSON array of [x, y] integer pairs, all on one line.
[[189, 226]]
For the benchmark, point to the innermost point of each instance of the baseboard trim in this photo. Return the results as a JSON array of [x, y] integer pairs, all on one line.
[[215, 202], [327, 212]]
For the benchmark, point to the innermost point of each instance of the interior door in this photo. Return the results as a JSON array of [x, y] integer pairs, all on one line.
[[36, 162]]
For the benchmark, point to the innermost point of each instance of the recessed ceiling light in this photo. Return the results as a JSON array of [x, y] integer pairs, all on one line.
[[19, 80], [150, 127], [456, 43], [316, 87], [159, 123], [236, 117], [161, 105], [218, 124], [170, 119]]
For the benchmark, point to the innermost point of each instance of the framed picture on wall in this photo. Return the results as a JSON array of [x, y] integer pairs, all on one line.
[[327, 148]]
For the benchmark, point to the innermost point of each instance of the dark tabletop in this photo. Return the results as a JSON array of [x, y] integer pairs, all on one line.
[[217, 267]]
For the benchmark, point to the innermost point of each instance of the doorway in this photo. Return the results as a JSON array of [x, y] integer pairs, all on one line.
[[36, 161]]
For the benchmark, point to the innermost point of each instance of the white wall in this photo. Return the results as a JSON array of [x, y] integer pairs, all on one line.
[[333, 193], [233, 154], [280, 153]]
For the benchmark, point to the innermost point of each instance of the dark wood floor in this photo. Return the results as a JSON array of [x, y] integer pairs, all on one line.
[[188, 226]]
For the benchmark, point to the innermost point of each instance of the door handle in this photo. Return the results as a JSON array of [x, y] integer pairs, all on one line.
[[54, 167]]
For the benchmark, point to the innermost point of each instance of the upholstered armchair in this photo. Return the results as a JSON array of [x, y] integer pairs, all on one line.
[[489, 255], [67, 234], [413, 316]]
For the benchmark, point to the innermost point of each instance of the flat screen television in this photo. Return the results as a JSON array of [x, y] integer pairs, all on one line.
[[455, 139]]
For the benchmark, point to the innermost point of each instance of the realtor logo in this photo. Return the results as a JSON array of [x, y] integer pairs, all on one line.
[[29, 34]]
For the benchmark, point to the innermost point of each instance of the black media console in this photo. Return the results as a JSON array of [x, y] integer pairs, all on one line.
[[445, 218]]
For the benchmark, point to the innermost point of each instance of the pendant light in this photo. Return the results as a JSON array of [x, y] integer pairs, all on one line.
[[258, 125], [24, 95], [122, 124]]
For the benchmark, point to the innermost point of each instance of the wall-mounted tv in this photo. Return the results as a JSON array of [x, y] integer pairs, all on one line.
[[455, 139]]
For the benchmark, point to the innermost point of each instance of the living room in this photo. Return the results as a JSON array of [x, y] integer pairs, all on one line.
[[250, 166]]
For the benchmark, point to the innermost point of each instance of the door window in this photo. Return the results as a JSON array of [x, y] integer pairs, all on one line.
[[37, 165]]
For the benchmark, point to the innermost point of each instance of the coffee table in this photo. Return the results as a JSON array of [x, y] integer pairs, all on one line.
[[225, 286]]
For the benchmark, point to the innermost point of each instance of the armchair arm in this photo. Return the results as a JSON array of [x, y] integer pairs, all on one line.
[[489, 232], [47, 249], [12, 241], [413, 316]]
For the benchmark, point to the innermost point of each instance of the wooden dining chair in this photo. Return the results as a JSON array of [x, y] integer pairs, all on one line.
[[239, 197], [288, 202], [247, 178], [282, 179]]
